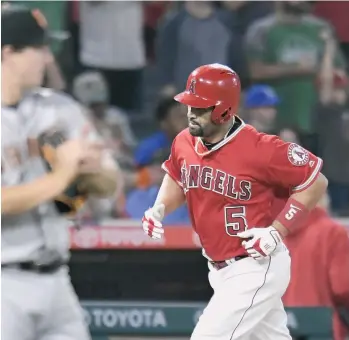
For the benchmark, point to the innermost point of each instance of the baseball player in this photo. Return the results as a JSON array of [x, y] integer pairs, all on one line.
[[38, 301], [229, 174], [320, 262]]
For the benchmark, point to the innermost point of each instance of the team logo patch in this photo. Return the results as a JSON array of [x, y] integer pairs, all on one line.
[[192, 86], [297, 155]]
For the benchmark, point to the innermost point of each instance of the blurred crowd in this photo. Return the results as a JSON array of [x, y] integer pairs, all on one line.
[[125, 60]]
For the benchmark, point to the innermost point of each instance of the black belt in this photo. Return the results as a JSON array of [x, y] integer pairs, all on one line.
[[46, 268], [222, 264]]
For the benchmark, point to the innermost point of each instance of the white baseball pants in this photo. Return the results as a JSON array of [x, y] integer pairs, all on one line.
[[246, 304]]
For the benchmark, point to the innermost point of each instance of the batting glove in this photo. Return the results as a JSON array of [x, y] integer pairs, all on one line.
[[151, 221], [263, 241]]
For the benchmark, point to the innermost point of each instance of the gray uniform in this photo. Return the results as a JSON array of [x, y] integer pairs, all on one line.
[[37, 306]]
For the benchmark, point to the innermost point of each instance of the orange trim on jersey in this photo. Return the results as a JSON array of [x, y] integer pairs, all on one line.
[[39, 18], [143, 178]]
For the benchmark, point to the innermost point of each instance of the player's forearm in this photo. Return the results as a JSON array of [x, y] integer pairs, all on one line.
[[170, 194], [326, 72], [261, 71], [312, 195], [21, 198], [299, 205]]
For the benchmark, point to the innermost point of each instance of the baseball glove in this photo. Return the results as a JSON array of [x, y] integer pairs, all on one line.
[[74, 197]]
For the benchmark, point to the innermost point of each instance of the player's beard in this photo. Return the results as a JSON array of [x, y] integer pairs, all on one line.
[[196, 130]]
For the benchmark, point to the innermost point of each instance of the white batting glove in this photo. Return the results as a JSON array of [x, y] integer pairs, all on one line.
[[263, 241], [151, 221]]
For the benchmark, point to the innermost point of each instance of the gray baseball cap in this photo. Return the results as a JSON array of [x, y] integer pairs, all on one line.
[[91, 87]]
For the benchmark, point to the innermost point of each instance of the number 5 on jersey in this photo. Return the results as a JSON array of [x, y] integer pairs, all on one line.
[[235, 220]]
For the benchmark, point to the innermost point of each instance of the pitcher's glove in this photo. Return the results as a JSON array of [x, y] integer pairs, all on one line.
[[75, 195]]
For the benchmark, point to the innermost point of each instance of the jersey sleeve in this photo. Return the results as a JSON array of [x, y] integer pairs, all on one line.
[[66, 114], [288, 165], [171, 165], [11, 155], [79, 125]]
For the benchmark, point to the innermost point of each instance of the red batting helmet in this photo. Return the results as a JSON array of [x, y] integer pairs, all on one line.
[[213, 85]]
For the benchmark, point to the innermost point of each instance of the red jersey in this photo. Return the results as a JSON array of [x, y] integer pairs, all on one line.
[[319, 250], [231, 187]]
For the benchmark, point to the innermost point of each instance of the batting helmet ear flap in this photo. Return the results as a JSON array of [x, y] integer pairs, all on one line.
[[221, 115]]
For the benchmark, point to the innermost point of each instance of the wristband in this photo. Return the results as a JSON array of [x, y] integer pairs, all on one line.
[[292, 214]]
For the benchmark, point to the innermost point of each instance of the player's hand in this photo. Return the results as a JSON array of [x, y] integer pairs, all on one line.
[[263, 241], [70, 154], [92, 161], [151, 221]]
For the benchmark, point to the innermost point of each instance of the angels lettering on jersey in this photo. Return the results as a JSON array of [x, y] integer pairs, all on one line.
[[215, 180], [235, 186]]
